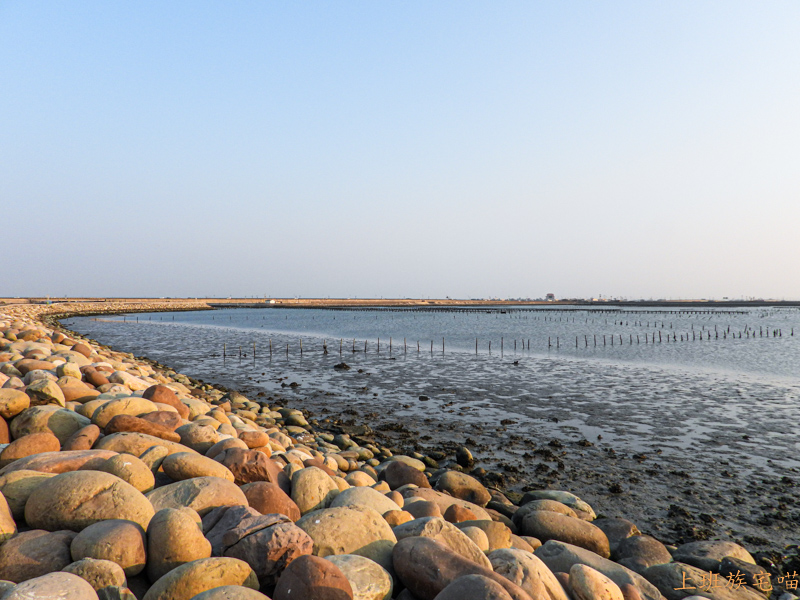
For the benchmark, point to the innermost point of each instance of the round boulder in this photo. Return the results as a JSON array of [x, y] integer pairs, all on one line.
[[122, 542]]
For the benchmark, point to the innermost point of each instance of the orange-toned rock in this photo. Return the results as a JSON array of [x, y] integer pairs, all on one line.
[[83, 439], [82, 349], [4, 435], [167, 419], [163, 395], [121, 423], [29, 364], [458, 514], [96, 378], [268, 498], [59, 462], [313, 577], [254, 439], [320, 464], [248, 466], [28, 445]]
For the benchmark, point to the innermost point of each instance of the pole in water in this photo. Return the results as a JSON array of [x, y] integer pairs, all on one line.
[[442, 345], [341, 341], [270, 346], [223, 351], [254, 350], [476, 345]]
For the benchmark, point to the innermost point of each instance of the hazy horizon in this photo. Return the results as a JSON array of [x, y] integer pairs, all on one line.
[[462, 149]]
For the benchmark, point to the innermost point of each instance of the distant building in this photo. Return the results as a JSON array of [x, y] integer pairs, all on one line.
[[550, 297]]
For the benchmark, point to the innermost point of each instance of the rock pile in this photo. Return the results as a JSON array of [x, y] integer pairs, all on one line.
[[122, 481]]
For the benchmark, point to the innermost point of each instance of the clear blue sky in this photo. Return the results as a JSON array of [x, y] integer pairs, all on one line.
[[463, 149]]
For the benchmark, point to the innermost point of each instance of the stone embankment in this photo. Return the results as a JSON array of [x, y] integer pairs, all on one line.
[[122, 479]]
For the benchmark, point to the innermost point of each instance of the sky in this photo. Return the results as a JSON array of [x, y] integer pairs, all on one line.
[[400, 149]]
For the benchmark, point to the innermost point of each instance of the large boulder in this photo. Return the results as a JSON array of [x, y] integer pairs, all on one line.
[[174, 537], [33, 443], [53, 585], [34, 553], [249, 466], [117, 540], [365, 496], [559, 556], [313, 489], [133, 406], [269, 498], [61, 422], [269, 550], [368, 579], [18, 486], [708, 555], [426, 567], [13, 402], [473, 587], [464, 487], [200, 493], [312, 577], [190, 579], [548, 525], [98, 573], [78, 499], [446, 533], [136, 443], [188, 465], [443, 501], [528, 572], [59, 462], [45, 391]]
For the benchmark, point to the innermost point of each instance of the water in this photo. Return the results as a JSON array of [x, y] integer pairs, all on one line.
[[721, 412]]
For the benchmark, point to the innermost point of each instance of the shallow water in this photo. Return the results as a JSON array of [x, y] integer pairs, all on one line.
[[721, 412]]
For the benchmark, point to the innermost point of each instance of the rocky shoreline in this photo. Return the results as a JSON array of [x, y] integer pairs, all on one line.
[[121, 478]]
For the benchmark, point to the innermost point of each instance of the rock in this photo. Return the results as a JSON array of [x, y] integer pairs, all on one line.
[[368, 580], [426, 567], [249, 466], [136, 443], [464, 458], [200, 493], [61, 422], [198, 437], [115, 592], [670, 577], [223, 445], [478, 537], [174, 537], [269, 498], [364, 496], [45, 391], [30, 444], [189, 580], [59, 462], [129, 380], [18, 486], [312, 489], [473, 587], [75, 390], [423, 508], [78, 499], [707, 555], [349, 530], [165, 419], [616, 530], [521, 543], [268, 551], [163, 395], [122, 423], [397, 517], [589, 584], [535, 505], [83, 439], [457, 514], [153, 457], [463, 487], [188, 465], [219, 521], [313, 577], [446, 533], [528, 572], [132, 406], [131, 470], [13, 402], [559, 556], [231, 592], [55, 586], [34, 553], [640, 552], [443, 501], [7, 525], [547, 525], [117, 540], [498, 534], [753, 575], [97, 573], [398, 474], [69, 369], [83, 349], [362, 479], [567, 498]]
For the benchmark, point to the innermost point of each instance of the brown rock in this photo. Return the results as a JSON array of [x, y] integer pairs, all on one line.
[[83, 439], [81, 348], [13, 402], [426, 567], [136, 443], [117, 540], [269, 498], [75, 390], [473, 587], [460, 485], [28, 445], [131, 470], [5, 436], [132, 406], [163, 395], [26, 365], [97, 573], [34, 553], [187, 465], [61, 422], [96, 378], [444, 501], [165, 418], [457, 514], [223, 445], [547, 525], [320, 464], [254, 439], [121, 423], [248, 466], [616, 530], [59, 462], [17, 487], [398, 473], [269, 551], [174, 537], [79, 499], [188, 580], [200, 493], [423, 508], [313, 577], [197, 436]]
